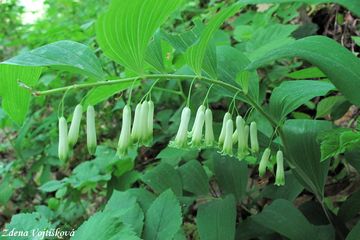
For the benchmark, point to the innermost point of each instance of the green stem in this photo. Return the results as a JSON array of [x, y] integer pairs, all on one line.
[[162, 77]]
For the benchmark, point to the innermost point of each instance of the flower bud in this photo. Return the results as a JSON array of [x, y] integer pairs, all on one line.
[[199, 110], [242, 138], [91, 130], [227, 116], [197, 130], [254, 138], [181, 136], [144, 122], [264, 161], [75, 125], [63, 148], [209, 133], [228, 144], [136, 128], [247, 130], [280, 175], [125, 136]]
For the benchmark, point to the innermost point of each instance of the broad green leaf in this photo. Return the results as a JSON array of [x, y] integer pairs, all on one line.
[[194, 178], [125, 30], [63, 55], [339, 64], [126, 207], [282, 217], [144, 197], [231, 175], [307, 73], [326, 105], [352, 5], [163, 218], [52, 186], [27, 222], [249, 229], [243, 79], [289, 191], [195, 54], [216, 219], [105, 225], [303, 152], [355, 232], [350, 207], [16, 99], [155, 179], [173, 156], [102, 93], [356, 40], [292, 94]]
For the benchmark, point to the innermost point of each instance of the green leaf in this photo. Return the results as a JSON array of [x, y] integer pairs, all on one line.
[[155, 179], [292, 94], [216, 220], [163, 219], [15, 99], [102, 93], [350, 208], [243, 79], [126, 208], [303, 152], [27, 222], [125, 30], [339, 64], [63, 55], [352, 5], [195, 54], [326, 105], [282, 217], [289, 191], [356, 40], [52, 186], [173, 156], [355, 232], [307, 73], [104, 226], [194, 178], [231, 175]]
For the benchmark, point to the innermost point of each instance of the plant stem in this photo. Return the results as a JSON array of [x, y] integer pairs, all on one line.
[[161, 77]]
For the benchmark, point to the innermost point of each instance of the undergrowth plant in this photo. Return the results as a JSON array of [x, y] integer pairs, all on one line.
[[226, 130]]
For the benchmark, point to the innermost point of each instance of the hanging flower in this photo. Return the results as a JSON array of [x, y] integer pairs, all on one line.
[[280, 175], [227, 116], [228, 144], [125, 136], [200, 109], [136, 128], [254, 138], [63, 149], [241, 137], [209, 133], [235, 136], [91, 130], [144, 131], [264, 161], [181, 136], [198, 128], [150, 122], [247, 131], [75, 125]]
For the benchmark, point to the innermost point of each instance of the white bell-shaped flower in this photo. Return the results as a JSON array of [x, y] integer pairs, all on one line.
[[209, 132], [198, 129], [235, 136], [75, 125], [200, 109], [280, 174], [228, 144], [136, 128], [144, 122], [242, 138], [91, 130], [254, 138], [227, 116], [63, 148], [181, 136], [264, 162], [125, 135], [150, 122]]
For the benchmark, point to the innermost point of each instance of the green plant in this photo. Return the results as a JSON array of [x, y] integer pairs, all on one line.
[[191, 178]]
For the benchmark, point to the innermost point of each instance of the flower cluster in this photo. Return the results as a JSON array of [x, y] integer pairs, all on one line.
[[67, 139], [264, 162], [228, 137]]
